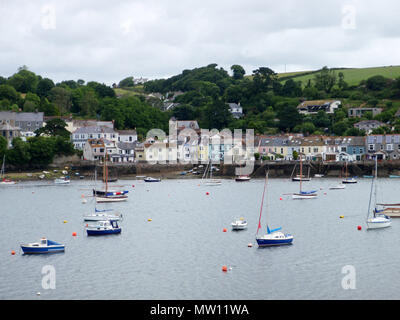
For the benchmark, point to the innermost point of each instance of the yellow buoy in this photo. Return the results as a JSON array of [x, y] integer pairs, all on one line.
[[341, 217], [65, 221], [149, 219]]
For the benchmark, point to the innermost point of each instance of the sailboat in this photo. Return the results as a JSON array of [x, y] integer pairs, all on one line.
[[209, 181], [109, 195], [4, 181], [272, 237], [242, 177], [378, 220], [301, 177], [304, 194], [347, 179]]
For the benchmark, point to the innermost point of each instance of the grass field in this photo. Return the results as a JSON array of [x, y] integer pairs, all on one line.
[[128, 91], [352, 76]]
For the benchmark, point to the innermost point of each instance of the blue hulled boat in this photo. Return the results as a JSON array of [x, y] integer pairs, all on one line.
[[44, 246], [103, 228], [272, 237]]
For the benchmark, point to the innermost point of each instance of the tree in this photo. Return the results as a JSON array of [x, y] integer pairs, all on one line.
[[127, 82], [288, 117], [24, 81], [217, 115], [54, 127], [61, 97], [325, 80], [44, 86], [238, 72], [376, 83], [8, 92]]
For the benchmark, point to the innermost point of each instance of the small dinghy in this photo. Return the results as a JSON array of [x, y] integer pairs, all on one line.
[[103, 228], [337, 187], [44, 246], [62, 180], [242, 178], [150, 179], [239, 224]]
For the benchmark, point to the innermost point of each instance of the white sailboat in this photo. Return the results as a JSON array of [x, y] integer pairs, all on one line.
[[5, 181], [378, 220], [303, 194], [210, 181], [338, 186]]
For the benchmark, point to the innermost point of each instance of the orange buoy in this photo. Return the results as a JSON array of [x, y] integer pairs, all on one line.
[[12, 252], [224, 268], [249, 245], [207, 193], [358, 227], [280, 198], [224, 230], [74, 234]]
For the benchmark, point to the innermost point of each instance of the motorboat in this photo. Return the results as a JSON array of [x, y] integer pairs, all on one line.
[[239, 224], [104, 227], [150, 179], [349, 180], [274, 238], [43, 246], [242, 178], [62, 180]]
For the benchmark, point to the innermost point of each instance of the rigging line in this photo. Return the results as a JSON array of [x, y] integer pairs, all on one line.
[[262, 202]]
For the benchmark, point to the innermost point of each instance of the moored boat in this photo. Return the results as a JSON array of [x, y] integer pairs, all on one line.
[[273, 237], [4, 181], [239, 224], [379, 219], [103, 228], [101, 215], [62, 180], [150, 179], [44, 246], [337, 187], [242, 178]]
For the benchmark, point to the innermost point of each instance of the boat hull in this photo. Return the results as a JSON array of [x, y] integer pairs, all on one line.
[[337, 187], [301, 179], [304, 196], [111, 199], [270, 241], [349, 181], [37, 250], [378, 222], [101, 232], [101, 218], [236, 226]]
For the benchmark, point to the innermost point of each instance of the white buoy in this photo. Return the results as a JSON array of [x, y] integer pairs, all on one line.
[[38, 293], [84, 200]]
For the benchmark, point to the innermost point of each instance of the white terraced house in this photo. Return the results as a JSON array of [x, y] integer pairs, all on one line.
[[81, 135]]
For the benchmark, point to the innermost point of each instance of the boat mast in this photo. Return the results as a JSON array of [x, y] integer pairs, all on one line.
[[262, 203], [376, 183], [301, 170], [370, 196]]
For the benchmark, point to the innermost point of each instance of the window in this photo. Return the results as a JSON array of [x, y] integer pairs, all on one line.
[[389, 147], [371, 147]]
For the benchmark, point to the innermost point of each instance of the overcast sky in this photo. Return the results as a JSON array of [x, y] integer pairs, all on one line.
[[106, 41]]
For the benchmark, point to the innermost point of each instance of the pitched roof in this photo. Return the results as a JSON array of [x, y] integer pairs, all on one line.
[[94, 129]]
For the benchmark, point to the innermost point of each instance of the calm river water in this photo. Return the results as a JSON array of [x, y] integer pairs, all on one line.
[[180, 253]]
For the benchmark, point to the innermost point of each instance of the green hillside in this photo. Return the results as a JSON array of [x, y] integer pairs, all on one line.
[[352, 76]]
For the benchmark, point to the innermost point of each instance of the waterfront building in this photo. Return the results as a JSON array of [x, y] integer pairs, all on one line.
[[94, 149], [385, 147], [128, 136], [236, 110], [82, 134]]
